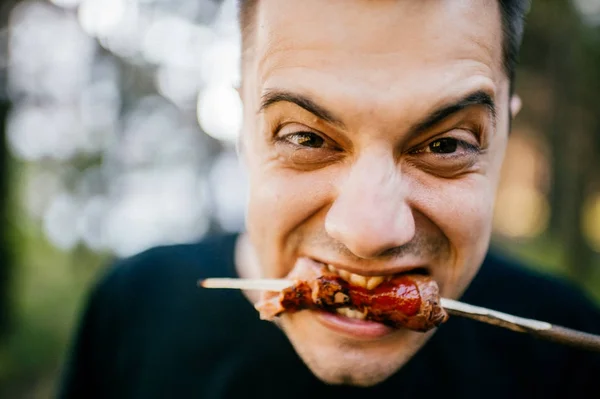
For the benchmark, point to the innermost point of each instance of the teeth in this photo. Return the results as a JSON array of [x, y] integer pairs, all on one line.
[[361, 281], [351, 313], [358, 280], [374, 282], [344, 274]]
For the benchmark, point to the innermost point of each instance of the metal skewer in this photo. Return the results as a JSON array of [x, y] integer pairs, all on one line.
[[537, 328]]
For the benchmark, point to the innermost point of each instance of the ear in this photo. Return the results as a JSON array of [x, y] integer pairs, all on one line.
[[515, 105]]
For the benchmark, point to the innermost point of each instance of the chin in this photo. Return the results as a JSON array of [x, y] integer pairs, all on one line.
[[341, 360], [350, 372]]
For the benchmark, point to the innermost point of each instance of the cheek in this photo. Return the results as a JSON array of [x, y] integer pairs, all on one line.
[[269, 196], [459, 207], [462, 210], [281, 204], [285, 199]]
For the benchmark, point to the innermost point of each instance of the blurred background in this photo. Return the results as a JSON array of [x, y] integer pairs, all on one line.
[[118, 122]]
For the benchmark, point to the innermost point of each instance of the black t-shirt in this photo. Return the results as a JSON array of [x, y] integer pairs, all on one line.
[[149, 332]]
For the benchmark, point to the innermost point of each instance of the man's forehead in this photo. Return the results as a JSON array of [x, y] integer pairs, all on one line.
[[405, 32]]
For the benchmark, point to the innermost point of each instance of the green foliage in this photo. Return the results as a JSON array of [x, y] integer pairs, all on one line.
[[48, 290]]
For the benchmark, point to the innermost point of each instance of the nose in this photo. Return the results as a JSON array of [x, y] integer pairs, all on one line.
[[371, 214]]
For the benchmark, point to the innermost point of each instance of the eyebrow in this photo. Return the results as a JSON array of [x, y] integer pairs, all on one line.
[[436, 117], [475, 98], [271, 97]]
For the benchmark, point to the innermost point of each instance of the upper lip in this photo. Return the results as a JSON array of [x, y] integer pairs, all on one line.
[[370, 272]]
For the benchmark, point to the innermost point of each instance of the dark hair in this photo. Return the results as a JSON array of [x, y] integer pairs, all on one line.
[[513, 24], [513, 21]]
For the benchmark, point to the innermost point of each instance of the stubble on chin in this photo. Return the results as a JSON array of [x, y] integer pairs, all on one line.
[[337, 360]]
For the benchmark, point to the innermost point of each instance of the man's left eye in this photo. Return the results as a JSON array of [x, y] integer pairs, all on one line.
[[447, 156], [443, 146], [448, 145]]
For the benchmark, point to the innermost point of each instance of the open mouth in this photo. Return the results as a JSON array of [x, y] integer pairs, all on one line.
[[358, 305], [368, 283]]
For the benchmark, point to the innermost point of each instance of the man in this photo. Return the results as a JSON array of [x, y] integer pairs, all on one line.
[[374, 132]]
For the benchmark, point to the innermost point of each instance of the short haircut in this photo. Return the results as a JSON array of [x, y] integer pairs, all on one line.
[[513, 22]]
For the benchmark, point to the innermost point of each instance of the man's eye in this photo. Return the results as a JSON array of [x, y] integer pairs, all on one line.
[[306, 150], [306, 139], [447, 156], [443, 146], [448, 146]]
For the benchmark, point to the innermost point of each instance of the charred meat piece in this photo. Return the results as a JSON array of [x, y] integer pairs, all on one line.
[[409, 301]]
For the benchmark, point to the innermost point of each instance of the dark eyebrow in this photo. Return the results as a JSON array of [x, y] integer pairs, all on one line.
[[271, 97], [439, 115], [479, 97]]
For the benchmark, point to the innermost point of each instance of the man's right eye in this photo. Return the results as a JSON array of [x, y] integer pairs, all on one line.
[[305, 139], [305, 149]]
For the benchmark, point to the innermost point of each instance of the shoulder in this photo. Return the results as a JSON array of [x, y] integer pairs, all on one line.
[[164, 271], [509, 285], [533, 365], [213, 255], [145, 315]]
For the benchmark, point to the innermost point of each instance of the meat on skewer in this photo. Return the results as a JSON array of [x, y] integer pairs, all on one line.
[[395, 303], [409, 301]]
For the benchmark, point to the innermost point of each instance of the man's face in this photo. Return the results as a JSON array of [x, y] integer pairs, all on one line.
[[374, 133]]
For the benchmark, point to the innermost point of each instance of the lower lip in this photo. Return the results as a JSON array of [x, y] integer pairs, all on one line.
[[355, 328]]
